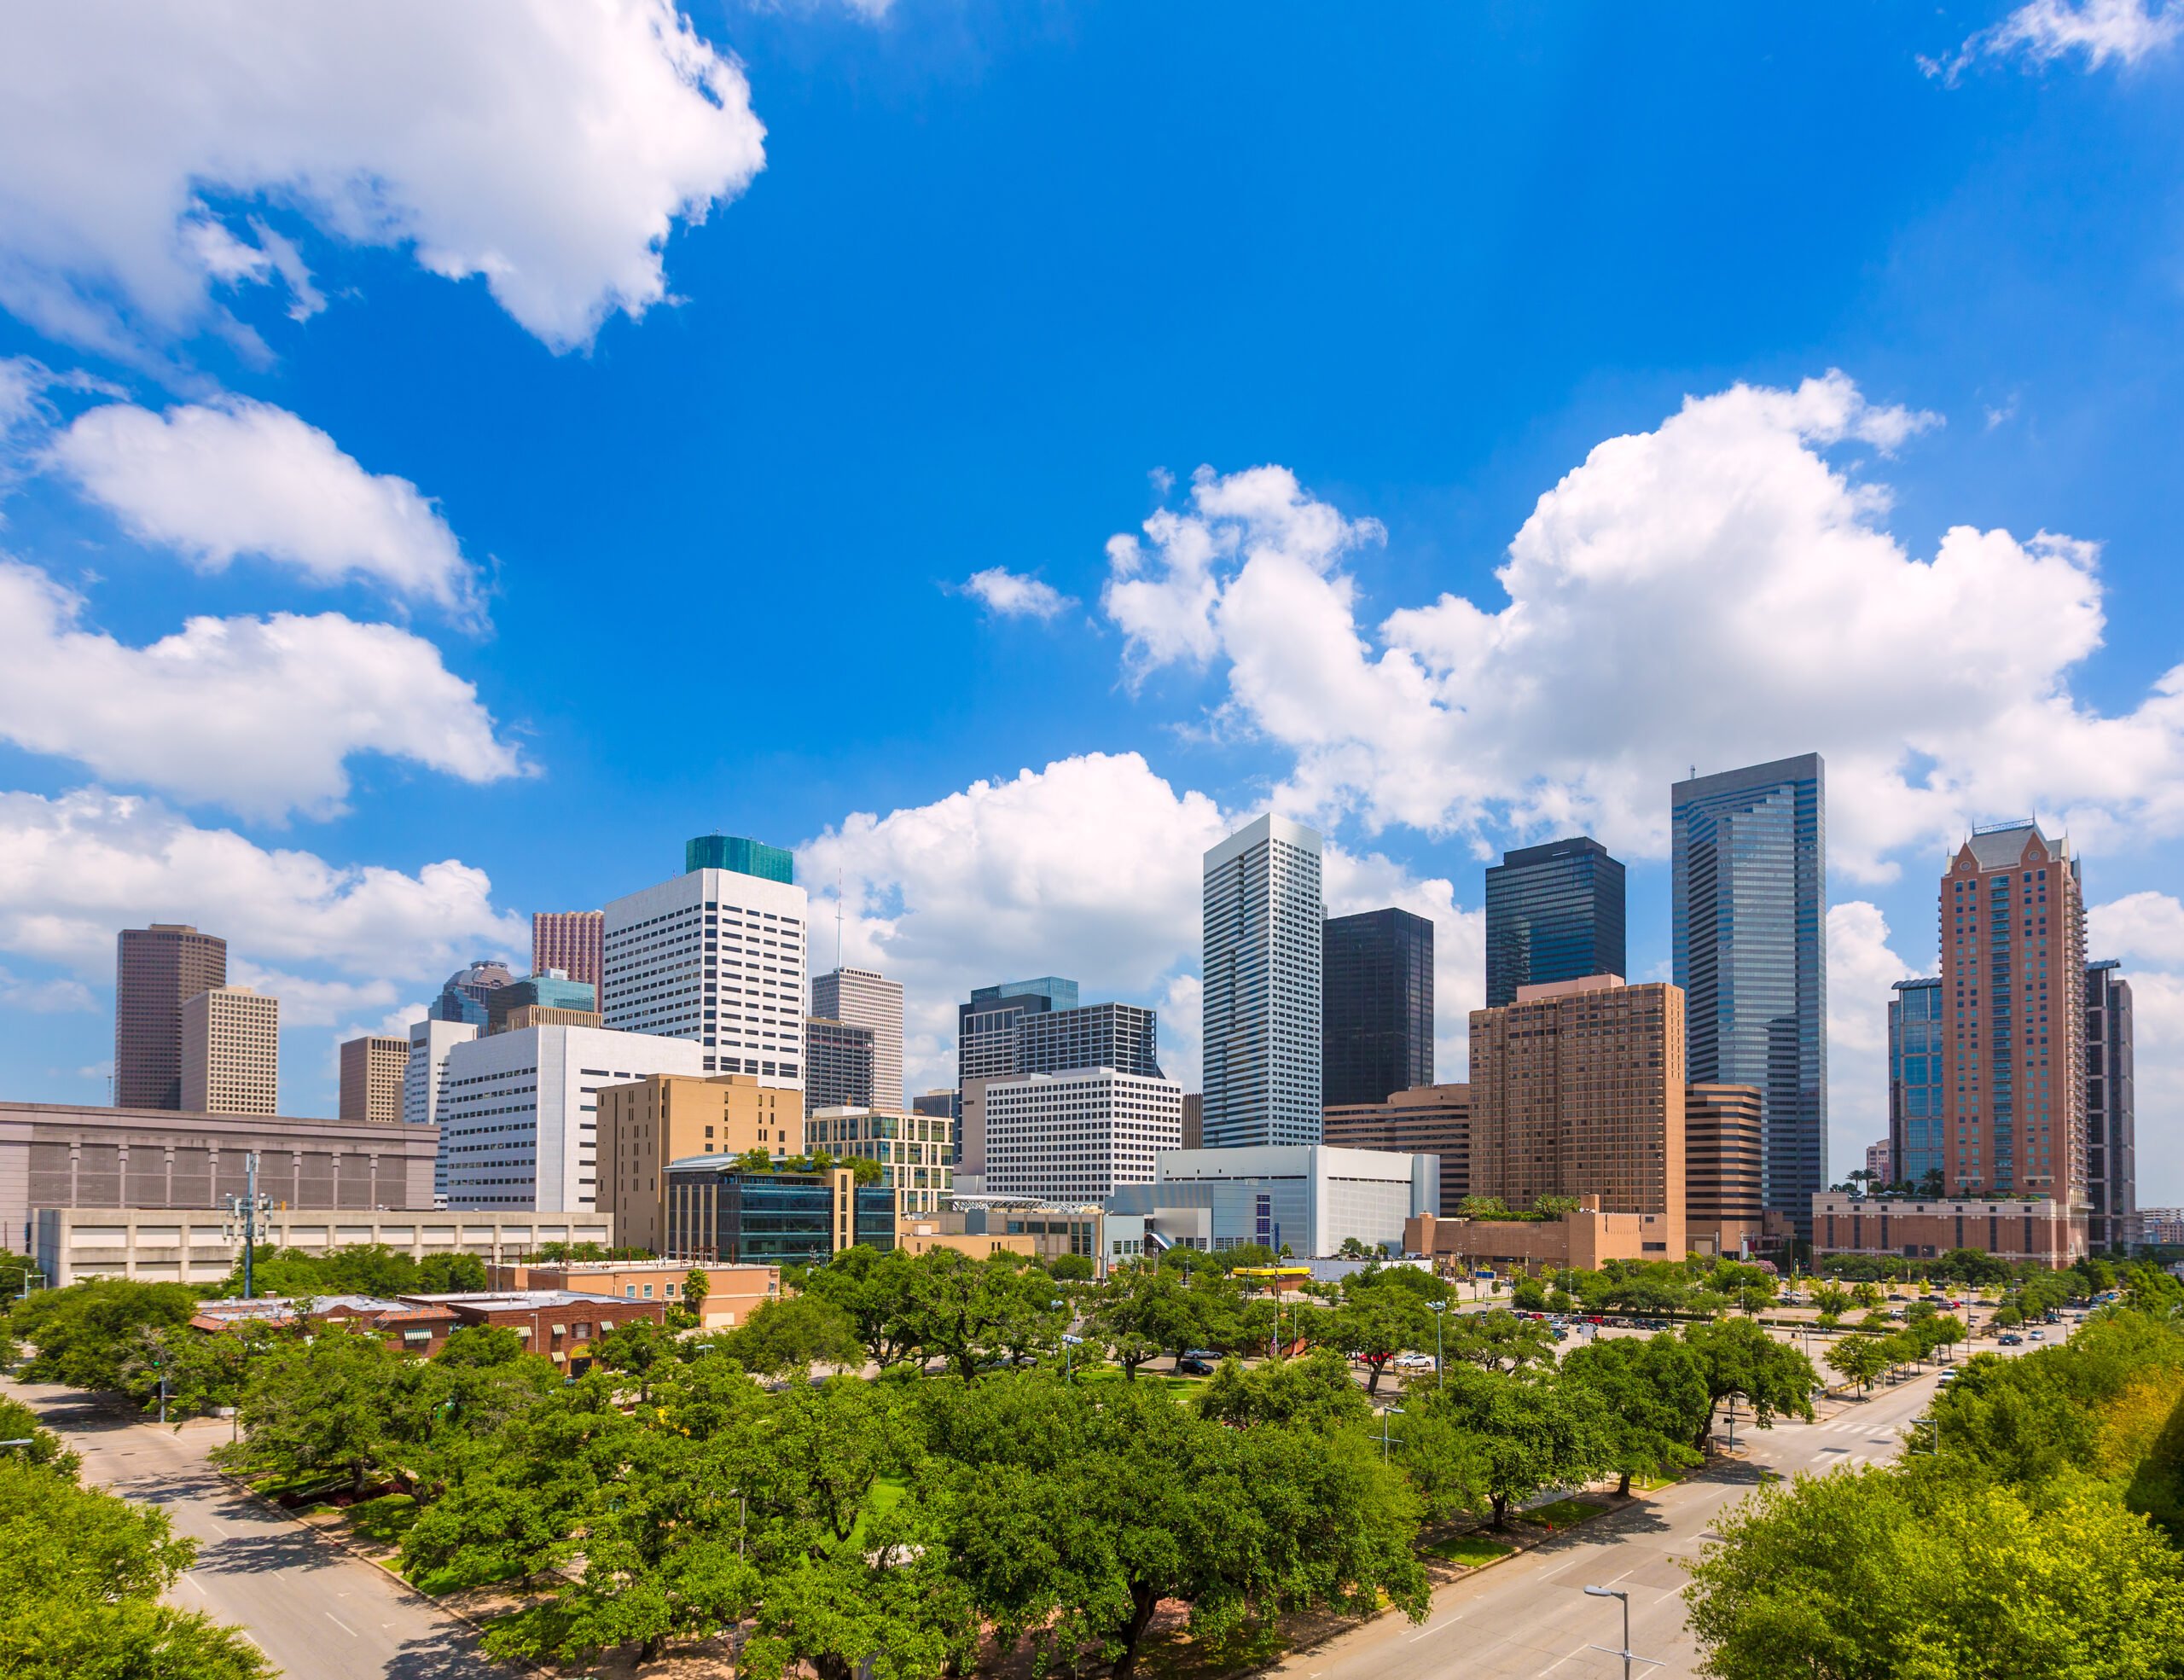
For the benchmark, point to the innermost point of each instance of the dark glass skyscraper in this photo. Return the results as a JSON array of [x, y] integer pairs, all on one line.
[[1750, 943], [1553, 912], [1376, 1006], [1916, 1131], [2110, 1097]]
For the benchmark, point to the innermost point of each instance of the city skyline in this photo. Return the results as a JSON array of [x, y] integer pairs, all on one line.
[[1620, 520]]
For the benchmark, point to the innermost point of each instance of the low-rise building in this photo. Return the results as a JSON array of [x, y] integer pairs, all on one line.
[[1584, 1237], [2034, 1230], [916, 1152], [732, 1293], [1053, 1230], [403, 1324], [1308, 1197], [558, 1324], [720, 1211], [201, 1244], [922, 1236]]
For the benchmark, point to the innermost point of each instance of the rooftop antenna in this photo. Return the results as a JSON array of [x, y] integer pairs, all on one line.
[[837, 919]]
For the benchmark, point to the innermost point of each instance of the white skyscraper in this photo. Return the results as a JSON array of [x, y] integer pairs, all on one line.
[[1263, 914], [423, 1079], [715, 957], [1075, 1138], [863, 998], [519, 1113]]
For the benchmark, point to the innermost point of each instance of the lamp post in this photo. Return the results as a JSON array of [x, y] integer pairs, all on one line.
[[1628, 1655], [1440, 1379], [1387, 1439], [1068, 1344]]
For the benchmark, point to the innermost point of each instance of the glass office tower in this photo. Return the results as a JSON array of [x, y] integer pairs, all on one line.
[[1376, 1006], [1749, 892], [1553, 912], [2111, 1099], [1915, 1134]]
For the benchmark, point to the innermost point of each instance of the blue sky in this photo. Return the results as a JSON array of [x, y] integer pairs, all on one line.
[[439, 478]]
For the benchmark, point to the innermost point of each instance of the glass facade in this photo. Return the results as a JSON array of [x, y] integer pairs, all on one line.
[[744, 856], [1915, 1133], [1376, 1006], [1749, 907], [2111, 1098], [721, 1213], [1553, 912]]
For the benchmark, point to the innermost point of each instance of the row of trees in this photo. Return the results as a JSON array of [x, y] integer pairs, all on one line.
[[2031, 1530]]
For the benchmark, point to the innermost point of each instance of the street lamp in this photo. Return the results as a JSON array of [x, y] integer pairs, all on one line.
[[1067, 1343], [20, 1441], [1628, 1655], [1439, 1307], [1387, 1439]]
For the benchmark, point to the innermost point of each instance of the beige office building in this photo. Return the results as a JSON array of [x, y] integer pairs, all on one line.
[[916, 1152], [372, 1072], [1577, 1090], [230, 1052], [1424, 1120], [1723, 1203], [666, 1117]]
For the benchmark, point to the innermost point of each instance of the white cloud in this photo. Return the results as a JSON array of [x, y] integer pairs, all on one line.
[[245, 477], [76, 870], [2148, 927], [548, 147], [1717, 592], [1862, 968], [260, 715], [1089, 868], [44, 998], [2122, 31], [1013, 594]]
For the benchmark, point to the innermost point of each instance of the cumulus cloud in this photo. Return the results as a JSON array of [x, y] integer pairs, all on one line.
[[1015, 594], [2120, 32], [1720, 590], [76, 868], [2143, 926], [1091, 867], [246, 478], [259, 715], [547, 147], [44, 998]]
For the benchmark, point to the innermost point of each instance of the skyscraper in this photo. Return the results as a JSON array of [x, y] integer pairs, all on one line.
[[1263, 915], [1914, 1085], [716, 957], [469, 991], [424, 1079], [372, 1076], [1038, 1026], [1553, 912], [2111, 1099], [568, 940], [863, 998], [156, 970], [231, 1052], [1376, 1010], [2013, 979], [837, 1065], [1577, 1090], [1749, 892]]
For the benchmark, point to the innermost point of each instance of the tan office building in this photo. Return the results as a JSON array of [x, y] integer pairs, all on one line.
[[1723, 1203], [372, 1071], [1577, 1090], [666, 1117], [231, 1052], [1424, 1120]]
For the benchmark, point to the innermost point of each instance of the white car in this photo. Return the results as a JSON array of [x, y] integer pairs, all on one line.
[[1414, 1361]]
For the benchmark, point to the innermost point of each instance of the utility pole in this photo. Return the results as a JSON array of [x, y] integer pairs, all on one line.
[[243, 1210]]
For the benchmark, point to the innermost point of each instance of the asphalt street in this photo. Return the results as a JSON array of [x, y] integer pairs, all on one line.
[[311, 1607], [1529, 1616]]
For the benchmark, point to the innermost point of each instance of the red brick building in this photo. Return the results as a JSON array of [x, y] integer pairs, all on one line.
[[554, 1323], [1911, 1228]]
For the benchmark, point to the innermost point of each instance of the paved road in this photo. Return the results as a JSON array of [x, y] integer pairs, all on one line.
[[1530, 1616], [318, 1613]]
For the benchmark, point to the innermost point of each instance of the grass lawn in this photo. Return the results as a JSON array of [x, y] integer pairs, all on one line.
[[1469, 1550], [1648, 1484], [886, 1494], [1562, 1514], [1178, 1386], [385, 1519]]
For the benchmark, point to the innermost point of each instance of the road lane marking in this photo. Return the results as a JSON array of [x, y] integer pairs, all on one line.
[[1442, 1628], [338, 1623], [192, 1579], [224, 1535]]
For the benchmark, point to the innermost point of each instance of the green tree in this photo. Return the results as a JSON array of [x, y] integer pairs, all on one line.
[[1866, 1294], [1521, 1432], [1852, 1575], [1738, 1357], [788, 1335], [320, 1407], [81, 1574], [1314, 1393], [878, 1289], [1859, 1359], [1130, 1315], [1497, 1341], [87, 1334], [635, 1348], [1376, 1325], [1069, 1520], [1654, 1394]]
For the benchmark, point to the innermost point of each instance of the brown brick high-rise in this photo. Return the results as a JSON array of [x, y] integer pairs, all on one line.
[[2013, 927], [156, 970], [1577, 1090]]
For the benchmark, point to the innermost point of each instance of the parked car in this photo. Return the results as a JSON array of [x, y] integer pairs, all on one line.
[[1414, 1362], [2039, 1335], [1899, 1298], [1192, 1365]]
